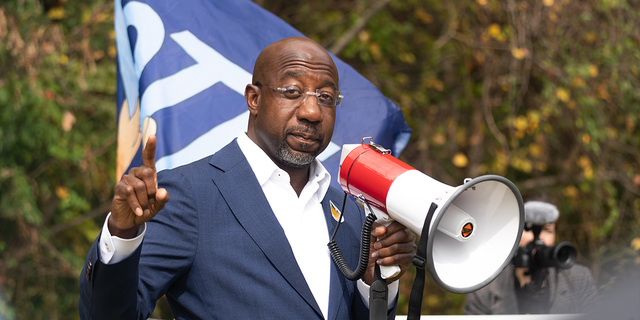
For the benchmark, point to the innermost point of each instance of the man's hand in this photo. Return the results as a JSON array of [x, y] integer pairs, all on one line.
[[391, 245], [137, 198]]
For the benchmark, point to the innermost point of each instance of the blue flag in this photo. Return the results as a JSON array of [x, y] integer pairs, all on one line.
[[182, 70]]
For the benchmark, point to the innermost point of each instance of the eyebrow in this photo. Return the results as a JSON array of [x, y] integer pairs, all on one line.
[[298, 74]]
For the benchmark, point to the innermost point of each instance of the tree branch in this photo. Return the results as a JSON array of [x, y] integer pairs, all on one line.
[[452, 27], [337, 47], [102, 209]]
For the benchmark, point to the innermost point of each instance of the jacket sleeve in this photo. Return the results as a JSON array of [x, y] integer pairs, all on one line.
[[474, 304], [585, 287], [130, 288]]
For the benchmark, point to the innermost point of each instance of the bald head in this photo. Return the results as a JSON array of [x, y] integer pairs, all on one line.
[[295, 127], [289, 51]]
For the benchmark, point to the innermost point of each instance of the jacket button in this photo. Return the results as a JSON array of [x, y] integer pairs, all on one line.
[[87, 273]]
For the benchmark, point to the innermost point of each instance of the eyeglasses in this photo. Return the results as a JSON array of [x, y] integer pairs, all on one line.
[[298, 95]]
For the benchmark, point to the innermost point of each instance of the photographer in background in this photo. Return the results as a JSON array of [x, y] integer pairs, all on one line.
[[542, 278]]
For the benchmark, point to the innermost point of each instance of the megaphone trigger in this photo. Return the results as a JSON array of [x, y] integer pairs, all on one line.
[[384, 219]]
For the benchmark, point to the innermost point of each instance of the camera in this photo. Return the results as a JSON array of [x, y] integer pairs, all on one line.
[[537, 255]]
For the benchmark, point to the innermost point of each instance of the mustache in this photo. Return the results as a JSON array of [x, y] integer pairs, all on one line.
[[306, 129]]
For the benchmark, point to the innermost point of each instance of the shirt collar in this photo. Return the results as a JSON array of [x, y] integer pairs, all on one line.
[[263, 167]]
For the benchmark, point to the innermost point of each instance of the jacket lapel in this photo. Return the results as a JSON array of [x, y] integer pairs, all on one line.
[[339, 286], [242, 192]]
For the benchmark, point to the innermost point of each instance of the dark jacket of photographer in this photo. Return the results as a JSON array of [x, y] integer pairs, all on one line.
[[570, 291]]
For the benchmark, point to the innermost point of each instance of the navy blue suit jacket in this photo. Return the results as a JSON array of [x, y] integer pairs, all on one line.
[[218, 252]]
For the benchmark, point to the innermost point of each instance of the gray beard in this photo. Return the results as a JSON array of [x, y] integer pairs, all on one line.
[[291, 158]]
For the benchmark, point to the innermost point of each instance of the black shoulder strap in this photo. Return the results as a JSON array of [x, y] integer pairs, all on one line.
[[419, 260], [378, 295]]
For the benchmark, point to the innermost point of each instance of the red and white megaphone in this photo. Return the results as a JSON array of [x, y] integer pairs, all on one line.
[[474, 231]]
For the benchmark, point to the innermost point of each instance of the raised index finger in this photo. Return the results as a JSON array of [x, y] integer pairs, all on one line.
[[149, 153]]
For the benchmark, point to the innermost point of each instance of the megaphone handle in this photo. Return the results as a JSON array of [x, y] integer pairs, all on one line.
[[387, 271]]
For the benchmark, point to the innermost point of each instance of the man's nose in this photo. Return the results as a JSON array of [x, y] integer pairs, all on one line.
[[310, 110]]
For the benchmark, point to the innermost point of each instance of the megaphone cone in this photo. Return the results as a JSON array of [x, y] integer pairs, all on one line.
[[474, 231]]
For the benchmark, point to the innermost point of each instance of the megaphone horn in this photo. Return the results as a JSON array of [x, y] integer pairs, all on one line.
[[474, 231]]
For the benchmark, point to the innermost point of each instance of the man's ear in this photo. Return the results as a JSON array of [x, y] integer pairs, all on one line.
[[252, 95]]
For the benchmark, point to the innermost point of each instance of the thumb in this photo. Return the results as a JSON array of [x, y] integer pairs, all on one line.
[[162, 197]]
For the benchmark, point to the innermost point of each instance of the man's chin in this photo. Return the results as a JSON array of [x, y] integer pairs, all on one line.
[[296, 158]]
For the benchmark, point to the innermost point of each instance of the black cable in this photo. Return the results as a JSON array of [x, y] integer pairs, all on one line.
[[335, 231], [365, 244]]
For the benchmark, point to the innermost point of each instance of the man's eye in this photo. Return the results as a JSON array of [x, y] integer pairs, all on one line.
[[292, 93], [326, 99]]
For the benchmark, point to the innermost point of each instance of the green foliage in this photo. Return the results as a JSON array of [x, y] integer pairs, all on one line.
[[544, 93], [57, 92]]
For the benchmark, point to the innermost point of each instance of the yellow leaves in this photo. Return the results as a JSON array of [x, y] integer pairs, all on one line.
[[494, 32], [535, 150], [613, 3], [571, 192], [587, 169], [434, 83], [407, 57], [363, 36], [635, 244], [586, 138], [590, 37], [521, 123], [548, 3], [612, 133], [63, 59], [86, 16], [97, 55], [593, 70], [424, 16], [375, 51], [434, 301], [526, 124], [439, 139], [460, 160], [603, 93], [578, 82], [68, 120], [62, 192], [500, 162], [519, 53], [100, 17], [402, 78], [112, 51], [541, 166], [483, 169], [56, 13], [584, 161], [482, 2], [522, 164], [563, 95]]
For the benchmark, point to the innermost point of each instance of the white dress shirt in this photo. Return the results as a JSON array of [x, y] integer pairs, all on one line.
[[301, 218]]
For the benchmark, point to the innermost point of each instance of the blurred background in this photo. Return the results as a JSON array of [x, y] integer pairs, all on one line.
[[545, 93]]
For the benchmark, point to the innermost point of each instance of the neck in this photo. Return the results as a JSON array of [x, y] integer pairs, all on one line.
[[299, 178]]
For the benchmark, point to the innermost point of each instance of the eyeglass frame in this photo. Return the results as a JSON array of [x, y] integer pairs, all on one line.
[[317, 94]]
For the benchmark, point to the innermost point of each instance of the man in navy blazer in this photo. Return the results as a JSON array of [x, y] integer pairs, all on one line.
[[244, 235]]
